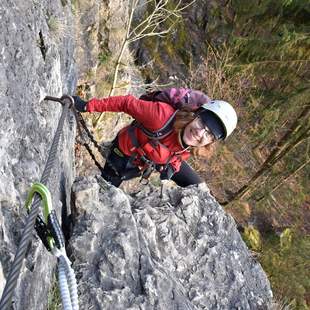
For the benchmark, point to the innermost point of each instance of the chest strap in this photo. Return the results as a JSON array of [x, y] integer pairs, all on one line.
[[160, 133]]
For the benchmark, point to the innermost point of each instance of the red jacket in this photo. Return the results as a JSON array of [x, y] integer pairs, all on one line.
[[153, 116]]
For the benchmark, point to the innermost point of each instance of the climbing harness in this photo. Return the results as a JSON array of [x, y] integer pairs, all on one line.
[[147, 166], [48, 229]]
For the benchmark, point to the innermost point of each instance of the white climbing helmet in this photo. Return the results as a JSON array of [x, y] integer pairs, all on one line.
[[225, 112]]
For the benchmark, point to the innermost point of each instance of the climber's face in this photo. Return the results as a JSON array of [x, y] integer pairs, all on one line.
[[197, 134]]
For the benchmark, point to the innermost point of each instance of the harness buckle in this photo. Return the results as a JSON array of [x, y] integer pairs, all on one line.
[[146, 160]]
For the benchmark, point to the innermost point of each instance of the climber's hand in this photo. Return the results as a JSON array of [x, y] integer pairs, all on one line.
[[167, 172], [79, 104]]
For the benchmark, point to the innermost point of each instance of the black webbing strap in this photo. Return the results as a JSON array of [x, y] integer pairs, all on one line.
[[160, 133]]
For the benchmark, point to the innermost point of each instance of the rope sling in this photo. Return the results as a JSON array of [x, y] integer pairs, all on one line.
[[48, 229]]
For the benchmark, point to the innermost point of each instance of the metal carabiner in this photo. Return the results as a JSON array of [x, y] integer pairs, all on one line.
[[42, 190]]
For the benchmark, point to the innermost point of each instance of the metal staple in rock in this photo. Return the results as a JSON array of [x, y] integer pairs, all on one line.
[[27, 233]]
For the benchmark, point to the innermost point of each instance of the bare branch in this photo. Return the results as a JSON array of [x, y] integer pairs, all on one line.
[[159, 22], [283, 180]]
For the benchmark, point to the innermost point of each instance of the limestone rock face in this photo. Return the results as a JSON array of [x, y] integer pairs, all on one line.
[[186, 45], [100, 32], [179, 251], [36, 49]]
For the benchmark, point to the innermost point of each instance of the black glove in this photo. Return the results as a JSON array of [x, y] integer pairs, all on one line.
[[167, 172], [79, 104]]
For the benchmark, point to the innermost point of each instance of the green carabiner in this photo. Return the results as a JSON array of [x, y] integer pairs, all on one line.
[[42, 190]]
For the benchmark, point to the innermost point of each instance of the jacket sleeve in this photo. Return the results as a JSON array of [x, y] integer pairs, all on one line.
[[153, 115]]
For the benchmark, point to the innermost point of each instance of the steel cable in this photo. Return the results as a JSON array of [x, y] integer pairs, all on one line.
[[27, 232]]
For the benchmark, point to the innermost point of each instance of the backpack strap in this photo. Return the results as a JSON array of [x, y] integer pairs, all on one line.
[[160, 133], [138, 151]]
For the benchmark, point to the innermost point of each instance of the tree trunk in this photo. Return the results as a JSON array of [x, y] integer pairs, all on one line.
[[297, 132]]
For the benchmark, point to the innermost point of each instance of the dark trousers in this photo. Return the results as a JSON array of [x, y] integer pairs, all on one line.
[[186, 176], [118, 168]]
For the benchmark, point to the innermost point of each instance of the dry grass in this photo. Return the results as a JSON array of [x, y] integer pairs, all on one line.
[[54, 298], [282, 305], [57, 27]]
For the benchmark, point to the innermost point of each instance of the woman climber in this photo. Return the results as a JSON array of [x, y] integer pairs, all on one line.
[[162, 134]]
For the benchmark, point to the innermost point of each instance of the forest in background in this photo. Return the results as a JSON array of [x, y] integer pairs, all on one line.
[[255, 56]]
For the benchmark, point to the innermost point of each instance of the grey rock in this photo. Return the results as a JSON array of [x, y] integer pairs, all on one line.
[[100, 29], [187, 54], [87, 22], [36, 60], [181, 251]]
